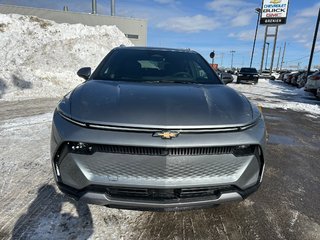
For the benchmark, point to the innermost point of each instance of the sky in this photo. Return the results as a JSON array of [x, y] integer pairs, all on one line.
[[206, 25]]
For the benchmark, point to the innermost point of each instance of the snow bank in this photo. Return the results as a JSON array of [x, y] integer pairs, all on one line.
[[39, 58], [276, 94]]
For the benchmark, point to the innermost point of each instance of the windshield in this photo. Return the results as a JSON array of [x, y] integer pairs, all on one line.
[[248, 70], [144, 65]]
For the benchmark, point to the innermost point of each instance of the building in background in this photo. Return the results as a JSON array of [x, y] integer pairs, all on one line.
[[134, 29]]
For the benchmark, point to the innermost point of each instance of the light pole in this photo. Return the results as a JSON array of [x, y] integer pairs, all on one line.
[[232, 52], [222, 55], [278, 59], [282, 60], [258, 11], [314, 42], [267, 55]]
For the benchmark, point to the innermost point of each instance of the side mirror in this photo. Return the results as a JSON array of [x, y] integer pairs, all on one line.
[[84, 73], [225, 82]]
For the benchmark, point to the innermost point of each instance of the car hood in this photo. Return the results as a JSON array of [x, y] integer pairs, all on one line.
[[159, 105]]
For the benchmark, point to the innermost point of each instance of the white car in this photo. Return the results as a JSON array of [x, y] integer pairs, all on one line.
[[313, 83]]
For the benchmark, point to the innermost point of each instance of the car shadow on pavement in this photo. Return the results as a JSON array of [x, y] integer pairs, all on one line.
[[3, 87], [55, 216]]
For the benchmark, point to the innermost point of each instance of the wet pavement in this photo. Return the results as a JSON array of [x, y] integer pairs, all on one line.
[[286, 206]]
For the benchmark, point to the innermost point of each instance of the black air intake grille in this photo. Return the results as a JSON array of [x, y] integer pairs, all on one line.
[[161, 194], [163, 151]]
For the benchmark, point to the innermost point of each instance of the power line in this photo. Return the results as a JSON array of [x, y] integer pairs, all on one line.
[[302, 57]]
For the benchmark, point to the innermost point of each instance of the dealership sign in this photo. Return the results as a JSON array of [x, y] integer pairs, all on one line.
[[274, 12]]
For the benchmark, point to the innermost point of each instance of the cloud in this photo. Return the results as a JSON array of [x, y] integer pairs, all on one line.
[[241, 20], [247, 35], [310, 12], [237, 13], [227, 7], [189, 24], [165, 1]]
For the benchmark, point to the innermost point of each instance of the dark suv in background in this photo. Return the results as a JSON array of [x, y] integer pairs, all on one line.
[[248, 75]]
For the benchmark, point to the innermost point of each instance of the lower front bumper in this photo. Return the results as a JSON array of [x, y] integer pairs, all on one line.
[[99, 197]]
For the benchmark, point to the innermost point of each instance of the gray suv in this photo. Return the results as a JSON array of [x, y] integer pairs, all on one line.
[[156, 129]]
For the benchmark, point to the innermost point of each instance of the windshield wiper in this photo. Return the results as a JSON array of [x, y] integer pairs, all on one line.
[[177, 81]]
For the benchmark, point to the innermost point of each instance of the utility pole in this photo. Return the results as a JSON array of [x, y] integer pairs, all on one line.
[[94, 7], [264, 48], [278, 59], [232, 52], [258, 10], [267, 55], [222, 55], [113, 8], [314, 43], [274, 48], [284, 50]]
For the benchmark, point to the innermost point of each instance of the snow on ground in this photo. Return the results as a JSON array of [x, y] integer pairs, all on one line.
[[276, 94], [39, 58]]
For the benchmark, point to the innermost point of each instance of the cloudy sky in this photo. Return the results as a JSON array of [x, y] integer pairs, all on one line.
[[204, 25]]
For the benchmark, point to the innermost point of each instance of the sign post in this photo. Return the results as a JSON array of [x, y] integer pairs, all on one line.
[[273, 14]]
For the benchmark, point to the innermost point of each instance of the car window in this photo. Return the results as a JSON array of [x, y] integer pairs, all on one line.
[[248, 70], [155, 65]]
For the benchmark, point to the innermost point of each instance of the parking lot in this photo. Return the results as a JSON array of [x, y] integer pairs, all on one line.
[[285, 207]]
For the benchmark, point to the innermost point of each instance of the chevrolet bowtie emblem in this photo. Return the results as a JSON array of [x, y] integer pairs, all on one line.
[[275, 1], [166, 134]]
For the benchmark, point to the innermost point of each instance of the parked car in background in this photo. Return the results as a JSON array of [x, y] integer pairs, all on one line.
[[156, 129], [282, 73], [274, 75], [225, 76], [288, 76], [248, 75], [302, 79], [294, 78], [313, 83], [265, 74]]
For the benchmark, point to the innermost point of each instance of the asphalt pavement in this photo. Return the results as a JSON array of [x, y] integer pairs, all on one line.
[[31, 207]]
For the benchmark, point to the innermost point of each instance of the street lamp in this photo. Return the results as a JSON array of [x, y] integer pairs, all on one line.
[[232, 52], [258, 11], [267, 55]]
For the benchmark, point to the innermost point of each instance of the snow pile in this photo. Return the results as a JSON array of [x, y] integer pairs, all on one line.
[[39, 58], [276, 94]]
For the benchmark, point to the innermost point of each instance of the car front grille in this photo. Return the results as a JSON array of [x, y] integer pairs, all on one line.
[[153, 151], [163, 194]]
